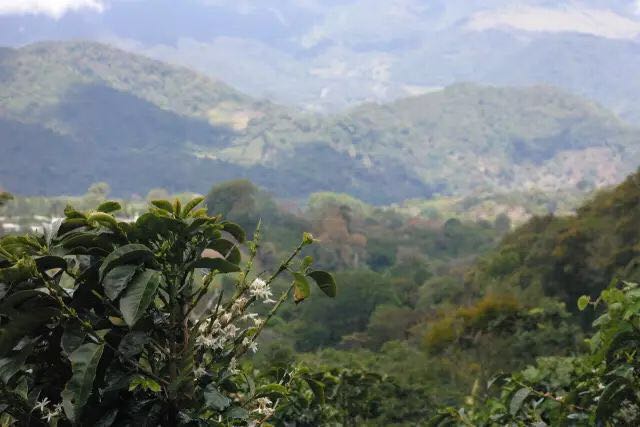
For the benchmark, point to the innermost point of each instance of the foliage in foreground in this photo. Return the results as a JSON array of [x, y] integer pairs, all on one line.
[[140, 322], [601, 388]]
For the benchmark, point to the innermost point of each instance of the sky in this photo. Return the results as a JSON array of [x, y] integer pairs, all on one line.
[[324, 54]]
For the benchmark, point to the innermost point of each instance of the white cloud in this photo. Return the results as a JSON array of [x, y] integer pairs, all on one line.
[[54, 8], [599, 22]]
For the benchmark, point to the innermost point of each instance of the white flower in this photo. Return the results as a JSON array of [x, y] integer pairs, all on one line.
[[48, 416], [260, 289], [258, 322], [238, 305], [199, 372], [225, 317], [42, 405], [269, 301], [264, 406], [231, 330], [250, 344], [205, 341], [250, 316]]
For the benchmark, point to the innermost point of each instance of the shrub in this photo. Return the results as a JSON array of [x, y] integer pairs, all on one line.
[[111, 323]]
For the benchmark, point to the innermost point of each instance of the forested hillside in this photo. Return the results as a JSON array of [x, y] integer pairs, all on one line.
[[102, 114]]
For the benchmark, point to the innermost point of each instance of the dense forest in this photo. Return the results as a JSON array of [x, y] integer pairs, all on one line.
[[434, 312]]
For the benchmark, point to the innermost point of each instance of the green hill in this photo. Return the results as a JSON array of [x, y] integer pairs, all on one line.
[[573, 255], [94, 113]]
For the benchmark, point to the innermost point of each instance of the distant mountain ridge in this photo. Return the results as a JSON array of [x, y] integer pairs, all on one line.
[[73, 113]]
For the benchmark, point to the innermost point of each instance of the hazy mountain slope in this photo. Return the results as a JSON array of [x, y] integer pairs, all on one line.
[[462, 139], [40, 75], [76, 113], [603, 69]]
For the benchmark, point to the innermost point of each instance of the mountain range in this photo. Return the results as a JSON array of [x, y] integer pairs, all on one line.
[[74, 113]]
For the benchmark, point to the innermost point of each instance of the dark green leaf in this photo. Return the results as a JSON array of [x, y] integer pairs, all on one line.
[[518, 399], [235, 230], [84, 363], [116, 280], [12, 363], [23, 324], [49, 262], [236, 413], [214, 399], [222, 265], [133, 343], [125, 255], [227, 249], [139, 295], [72, 337], [325, 282]]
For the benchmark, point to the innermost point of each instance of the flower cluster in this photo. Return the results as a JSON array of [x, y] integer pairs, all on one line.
[[261, 290], [265, 407], [47, 413]]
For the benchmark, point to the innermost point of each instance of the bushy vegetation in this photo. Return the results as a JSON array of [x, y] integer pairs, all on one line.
[[453, 320], [600, 387], [118, 323]]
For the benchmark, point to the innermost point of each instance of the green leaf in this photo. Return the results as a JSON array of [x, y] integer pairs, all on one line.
[[236, 413], [306, 262], [301, 290], [235, 230], [84, 363], [145, 383], [517, 400], [325, 282], [104, 219], [214, 399], [124, 255], [317, 388], [71, 213], [139, 295], [165, 205], [177, 207], [133, 343], [49, 262], [24, 269], [275, 390], [227, 249], [11, 364], [583, 302], [72, 337], [222, 265], [109, 206], [191, 204], [116, 280]]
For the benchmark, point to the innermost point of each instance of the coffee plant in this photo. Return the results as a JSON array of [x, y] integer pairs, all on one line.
[[105, 322]]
